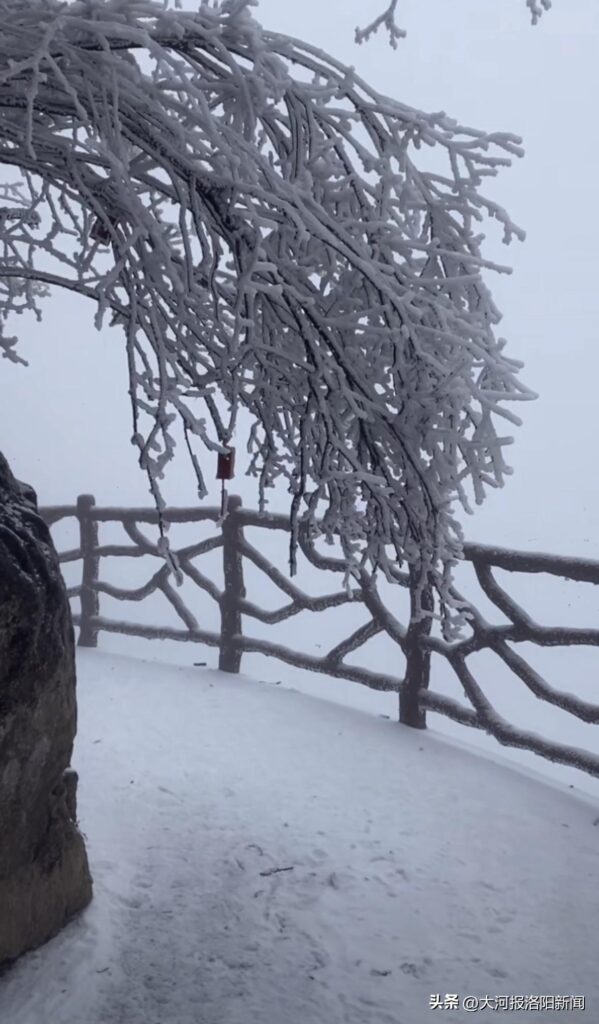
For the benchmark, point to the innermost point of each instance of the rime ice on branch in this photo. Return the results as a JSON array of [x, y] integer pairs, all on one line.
[[387, 19], [254, 216]]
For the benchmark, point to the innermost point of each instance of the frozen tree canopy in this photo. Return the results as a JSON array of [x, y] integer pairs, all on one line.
[[274, 235]]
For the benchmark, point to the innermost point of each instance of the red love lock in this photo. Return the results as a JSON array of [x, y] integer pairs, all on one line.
[[225, 468]]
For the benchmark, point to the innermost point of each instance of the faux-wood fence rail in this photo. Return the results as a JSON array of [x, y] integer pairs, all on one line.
[[415, 639]]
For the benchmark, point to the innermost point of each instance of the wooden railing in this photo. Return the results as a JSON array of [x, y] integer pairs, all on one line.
[[415, 639]]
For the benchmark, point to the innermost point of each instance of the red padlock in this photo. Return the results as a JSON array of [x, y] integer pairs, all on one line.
[[225, 468]]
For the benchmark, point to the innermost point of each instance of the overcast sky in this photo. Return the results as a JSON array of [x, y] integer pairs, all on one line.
[[64, 421]]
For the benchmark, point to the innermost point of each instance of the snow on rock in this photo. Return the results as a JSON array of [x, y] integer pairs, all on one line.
[[263, 857]]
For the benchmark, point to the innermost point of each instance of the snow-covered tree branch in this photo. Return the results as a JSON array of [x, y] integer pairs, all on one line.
[[256, 218], [387, 20]]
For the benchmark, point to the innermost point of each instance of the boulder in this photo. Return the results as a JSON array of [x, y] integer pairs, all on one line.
[[44, 874]]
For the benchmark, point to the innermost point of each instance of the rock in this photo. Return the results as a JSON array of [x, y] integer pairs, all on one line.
[[44, 874]]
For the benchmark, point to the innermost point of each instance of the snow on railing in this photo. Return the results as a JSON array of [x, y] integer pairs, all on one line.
[[416, 639]]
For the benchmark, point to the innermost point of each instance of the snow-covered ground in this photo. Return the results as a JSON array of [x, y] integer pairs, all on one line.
[[265, 857]]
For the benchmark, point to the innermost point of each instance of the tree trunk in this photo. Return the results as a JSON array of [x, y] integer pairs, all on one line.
[[44, 874]]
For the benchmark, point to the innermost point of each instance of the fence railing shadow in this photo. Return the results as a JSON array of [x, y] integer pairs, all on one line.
[[415, 638]]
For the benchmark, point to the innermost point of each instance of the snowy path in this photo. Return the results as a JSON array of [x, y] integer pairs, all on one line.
[[263, 857]]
